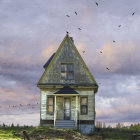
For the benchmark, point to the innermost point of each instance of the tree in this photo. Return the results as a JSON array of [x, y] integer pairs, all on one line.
[[119, 125], [12, 125], [104, 125], [4, 125], [17, 125]]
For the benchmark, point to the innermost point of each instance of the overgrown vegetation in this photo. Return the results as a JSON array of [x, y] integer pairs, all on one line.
[[37, 133], [120, 132]]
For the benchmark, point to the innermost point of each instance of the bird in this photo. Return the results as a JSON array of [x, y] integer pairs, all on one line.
[[79, 28], [114, 41], [133, 14], [67, 15], [107, 68], [119, 25], [67, 32], [83, 51], [75, 13], [101, 52], [96, 3]]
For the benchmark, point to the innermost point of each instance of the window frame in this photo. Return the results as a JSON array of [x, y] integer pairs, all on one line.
[[67, 72], [84, 105], [50, 96]]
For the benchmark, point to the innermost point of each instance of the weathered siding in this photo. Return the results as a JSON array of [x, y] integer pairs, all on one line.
[[59, 106], [91, 104], [87, 128], [59, 103], [44, 115], [67, 54]]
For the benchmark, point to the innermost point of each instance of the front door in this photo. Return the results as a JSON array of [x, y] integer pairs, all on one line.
[[67, 108]]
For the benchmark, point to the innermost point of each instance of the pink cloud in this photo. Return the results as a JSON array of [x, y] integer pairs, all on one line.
[[19, 95], [47, 52], [117, 111], [118, 57]]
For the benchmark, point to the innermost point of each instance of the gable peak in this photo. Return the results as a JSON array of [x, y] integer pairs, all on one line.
[[69, 37]]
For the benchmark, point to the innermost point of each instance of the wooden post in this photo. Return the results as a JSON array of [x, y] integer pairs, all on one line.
[[76, 111], [25, 135], [55, 111]]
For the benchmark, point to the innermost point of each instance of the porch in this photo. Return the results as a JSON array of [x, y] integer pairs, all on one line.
[[66, 109]]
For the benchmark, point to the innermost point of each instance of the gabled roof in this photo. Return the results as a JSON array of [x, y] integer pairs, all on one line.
[[52, 59], [66, 90], [49, 60]]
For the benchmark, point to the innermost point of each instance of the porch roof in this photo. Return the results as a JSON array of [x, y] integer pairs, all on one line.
[[66, 90]]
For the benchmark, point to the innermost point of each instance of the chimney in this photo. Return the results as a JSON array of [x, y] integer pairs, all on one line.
[[72, 39]]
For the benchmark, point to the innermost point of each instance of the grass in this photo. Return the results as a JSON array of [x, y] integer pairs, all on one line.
[[16, 133], [49, 133], [116, 134], [12, 133]]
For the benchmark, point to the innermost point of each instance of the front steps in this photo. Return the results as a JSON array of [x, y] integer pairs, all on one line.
[[65, 124]]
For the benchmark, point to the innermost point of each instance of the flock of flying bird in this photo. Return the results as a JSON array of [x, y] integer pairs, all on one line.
[[20, 106], [69, 16], [97, 4], [32, 106]]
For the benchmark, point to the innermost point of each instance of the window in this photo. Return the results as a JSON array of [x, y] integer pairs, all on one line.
[[50, 104], [67, 71], [84, 105]]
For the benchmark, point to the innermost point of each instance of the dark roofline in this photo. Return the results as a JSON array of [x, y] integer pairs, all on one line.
[[67, 84], [84, 85], [49, 61]]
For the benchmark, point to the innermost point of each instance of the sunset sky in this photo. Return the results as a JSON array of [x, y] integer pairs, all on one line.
[[31, 30]]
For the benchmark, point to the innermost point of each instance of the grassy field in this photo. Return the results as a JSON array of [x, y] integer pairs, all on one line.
[[37, 133], [116, 134]]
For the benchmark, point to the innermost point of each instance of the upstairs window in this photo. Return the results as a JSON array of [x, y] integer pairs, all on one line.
[[84, 105], [67, 71]]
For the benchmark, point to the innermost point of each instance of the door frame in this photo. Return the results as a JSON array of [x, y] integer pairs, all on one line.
[[64, 107]]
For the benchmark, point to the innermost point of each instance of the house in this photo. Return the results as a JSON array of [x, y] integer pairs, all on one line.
[[67, 90]]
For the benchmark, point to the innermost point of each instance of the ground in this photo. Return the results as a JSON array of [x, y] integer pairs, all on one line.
[[48, 133]]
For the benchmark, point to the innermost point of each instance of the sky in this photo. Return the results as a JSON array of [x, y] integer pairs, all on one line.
[[30, 31]]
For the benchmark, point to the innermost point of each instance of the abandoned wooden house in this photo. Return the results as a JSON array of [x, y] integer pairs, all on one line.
[[67, 90]]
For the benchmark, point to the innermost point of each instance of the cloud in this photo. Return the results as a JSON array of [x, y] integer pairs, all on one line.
[[126, 113], [32, 30], [119, 58], [24, 69], [21, 119], [118, 85], [17, 101], [17, 95], [117, 99], [47, 52]]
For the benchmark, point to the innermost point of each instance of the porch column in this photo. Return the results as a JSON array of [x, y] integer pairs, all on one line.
[[55, 111], [76, 115]]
